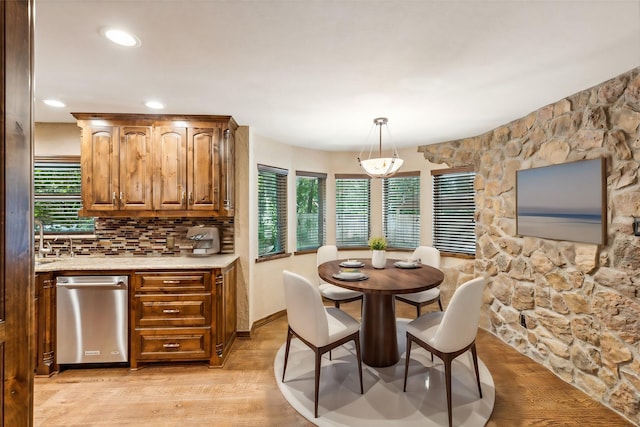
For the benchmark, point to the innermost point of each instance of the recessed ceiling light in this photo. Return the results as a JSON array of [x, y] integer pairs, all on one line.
[[121, 37], [54, 103], [155, 105]]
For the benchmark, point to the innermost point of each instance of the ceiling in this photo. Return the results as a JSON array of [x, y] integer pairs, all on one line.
[[316, 73]]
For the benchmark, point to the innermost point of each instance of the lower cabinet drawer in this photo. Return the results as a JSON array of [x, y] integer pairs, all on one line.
[[174, 344], [181, 282], [173, 310]]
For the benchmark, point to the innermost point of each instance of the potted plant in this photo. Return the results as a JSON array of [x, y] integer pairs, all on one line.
[[378, 245]]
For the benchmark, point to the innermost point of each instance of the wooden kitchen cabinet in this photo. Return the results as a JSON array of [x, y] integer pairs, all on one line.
[[116, 164], [188, 171], [182, 316], [45, 315], [157, 165]]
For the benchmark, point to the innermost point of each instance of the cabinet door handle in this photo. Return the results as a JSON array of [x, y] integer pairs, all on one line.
[[171, 345], [121, 198], [171, 282], [190, 197], [114, 199], [170, 311], [183, 197]]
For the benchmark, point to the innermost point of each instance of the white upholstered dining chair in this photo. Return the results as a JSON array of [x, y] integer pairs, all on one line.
[[330, 292], [320, 328], [428, 256], [451, 333]]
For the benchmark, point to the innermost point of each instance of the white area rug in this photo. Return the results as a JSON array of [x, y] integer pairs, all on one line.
[[383, 402]]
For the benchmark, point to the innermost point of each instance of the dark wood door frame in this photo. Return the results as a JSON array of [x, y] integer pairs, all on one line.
[[16, 223]]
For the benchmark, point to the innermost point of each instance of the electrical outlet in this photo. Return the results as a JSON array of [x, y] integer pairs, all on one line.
[[523, 321]]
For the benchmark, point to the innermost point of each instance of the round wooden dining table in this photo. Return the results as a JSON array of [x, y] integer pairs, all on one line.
[[378, 331]]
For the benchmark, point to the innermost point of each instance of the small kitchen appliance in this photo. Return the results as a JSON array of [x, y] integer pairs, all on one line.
[[206, 240]]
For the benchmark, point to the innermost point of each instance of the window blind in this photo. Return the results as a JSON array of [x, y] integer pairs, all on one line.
[[401, 210], [453, 211], [353, 200], [57, 197], [272, 210], [311, 211]]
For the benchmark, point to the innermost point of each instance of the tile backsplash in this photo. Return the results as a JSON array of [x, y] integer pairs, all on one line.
[[142, 237]]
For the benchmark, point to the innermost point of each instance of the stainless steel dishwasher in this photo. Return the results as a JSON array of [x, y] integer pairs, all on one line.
[[92, 319]]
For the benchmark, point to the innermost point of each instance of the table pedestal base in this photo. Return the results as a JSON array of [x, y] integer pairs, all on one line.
[[379, 338]]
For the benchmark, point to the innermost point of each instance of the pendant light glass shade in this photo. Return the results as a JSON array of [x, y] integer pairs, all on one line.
[[381, 167]]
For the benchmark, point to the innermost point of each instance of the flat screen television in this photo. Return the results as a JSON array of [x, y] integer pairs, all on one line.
[[563, 202]]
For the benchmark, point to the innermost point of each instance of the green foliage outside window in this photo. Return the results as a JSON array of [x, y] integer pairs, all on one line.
[[310, 211], [57, 197], [272, 210]]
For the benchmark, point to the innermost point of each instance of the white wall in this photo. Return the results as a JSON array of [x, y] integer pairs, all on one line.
[[56, 139]]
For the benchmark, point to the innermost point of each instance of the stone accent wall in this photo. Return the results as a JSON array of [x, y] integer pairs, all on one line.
[[580, 302], [143, 237]]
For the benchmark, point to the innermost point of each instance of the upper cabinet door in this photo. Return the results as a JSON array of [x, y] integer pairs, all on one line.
[[170, 169], [135, 168], [203, 168], [100, 189]]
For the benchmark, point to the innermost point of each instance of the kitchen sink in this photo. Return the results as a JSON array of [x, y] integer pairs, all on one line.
[[41, 261]]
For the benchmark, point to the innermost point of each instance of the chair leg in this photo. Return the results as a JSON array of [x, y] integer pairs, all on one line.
[[336, 304], [440, 304], [417, 311], [447, 375], [286, 352], [317, 384], [357, 341], [475, 365], [406, 362]]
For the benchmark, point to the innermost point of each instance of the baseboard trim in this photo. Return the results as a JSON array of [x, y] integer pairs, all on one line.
[[261, 322]]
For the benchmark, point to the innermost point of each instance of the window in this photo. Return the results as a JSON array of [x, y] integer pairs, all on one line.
[[272, 211], [401, 210], [310, 210], [453, 211], [57, 196], [353, 197]]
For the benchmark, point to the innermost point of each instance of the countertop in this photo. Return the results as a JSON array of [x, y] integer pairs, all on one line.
[[79, 263]]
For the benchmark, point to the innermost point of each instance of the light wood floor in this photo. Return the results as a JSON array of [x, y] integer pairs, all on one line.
[[244, 392]]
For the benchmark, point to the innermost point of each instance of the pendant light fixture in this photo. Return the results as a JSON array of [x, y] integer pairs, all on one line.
[[381, 167]]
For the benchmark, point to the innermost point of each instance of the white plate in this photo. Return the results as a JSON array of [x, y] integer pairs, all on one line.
[[406, 264]]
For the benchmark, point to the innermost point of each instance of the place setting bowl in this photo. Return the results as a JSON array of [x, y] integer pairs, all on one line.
[[408, 263], [352, 263]]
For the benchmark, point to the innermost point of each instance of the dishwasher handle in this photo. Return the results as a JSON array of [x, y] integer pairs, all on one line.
[[96, 284], [74, 282]]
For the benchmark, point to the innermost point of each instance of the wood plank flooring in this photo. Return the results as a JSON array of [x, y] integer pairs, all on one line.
[[244, 392]]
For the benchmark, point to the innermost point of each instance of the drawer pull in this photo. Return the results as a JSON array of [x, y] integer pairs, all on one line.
[[171, 345], [170, 311], [171, 282]]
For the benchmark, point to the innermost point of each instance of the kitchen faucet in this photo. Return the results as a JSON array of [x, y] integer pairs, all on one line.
[[42, 251], [71, 253]]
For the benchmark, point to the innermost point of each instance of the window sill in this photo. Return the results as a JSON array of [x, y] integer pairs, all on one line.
[[272, 257]]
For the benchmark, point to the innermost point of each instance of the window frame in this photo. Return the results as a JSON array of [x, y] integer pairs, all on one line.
[[411, 239], [322, 210], [454, 247], [340, 242], [77, 197], [281, 227]]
